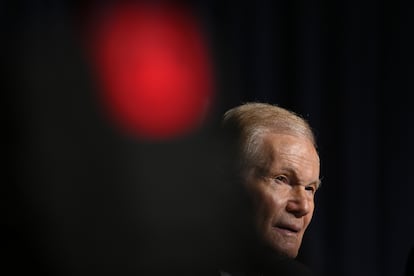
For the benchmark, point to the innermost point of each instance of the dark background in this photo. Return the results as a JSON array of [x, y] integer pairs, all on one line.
[[83, 199]]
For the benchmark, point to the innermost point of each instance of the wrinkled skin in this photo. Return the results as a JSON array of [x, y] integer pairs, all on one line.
[[283, 191]]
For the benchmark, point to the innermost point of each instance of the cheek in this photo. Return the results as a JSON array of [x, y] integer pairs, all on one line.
[[268, 205]]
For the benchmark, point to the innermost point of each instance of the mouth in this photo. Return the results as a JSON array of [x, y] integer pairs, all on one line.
[[288, 228]]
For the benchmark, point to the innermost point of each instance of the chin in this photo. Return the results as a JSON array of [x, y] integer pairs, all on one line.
[[286, 251], [292, 254], [283, 252], [284, 246]]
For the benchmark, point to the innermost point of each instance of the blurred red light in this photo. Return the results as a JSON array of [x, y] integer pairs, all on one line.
[[154, 69]]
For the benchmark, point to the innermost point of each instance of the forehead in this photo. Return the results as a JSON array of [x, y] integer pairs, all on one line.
[[290, 152]]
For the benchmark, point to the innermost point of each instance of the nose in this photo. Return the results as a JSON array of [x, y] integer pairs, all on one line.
[[299, 203]]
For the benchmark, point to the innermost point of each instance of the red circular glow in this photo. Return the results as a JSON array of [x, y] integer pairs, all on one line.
[[154, 69]]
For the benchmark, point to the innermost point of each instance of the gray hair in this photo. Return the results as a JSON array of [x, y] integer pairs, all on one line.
[[248, 122]]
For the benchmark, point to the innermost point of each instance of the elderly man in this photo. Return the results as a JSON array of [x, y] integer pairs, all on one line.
[[277, 168]]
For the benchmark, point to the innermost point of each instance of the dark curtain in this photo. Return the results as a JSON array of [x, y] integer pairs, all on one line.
[[83, 199]]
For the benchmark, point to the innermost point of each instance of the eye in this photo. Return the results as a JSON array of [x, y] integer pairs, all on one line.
[[281, 179], [310, 188]]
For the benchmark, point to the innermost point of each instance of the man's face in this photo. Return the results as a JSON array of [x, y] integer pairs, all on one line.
[[283, 191]]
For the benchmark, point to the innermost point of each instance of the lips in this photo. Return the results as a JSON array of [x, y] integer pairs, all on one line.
[[289, 227]]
